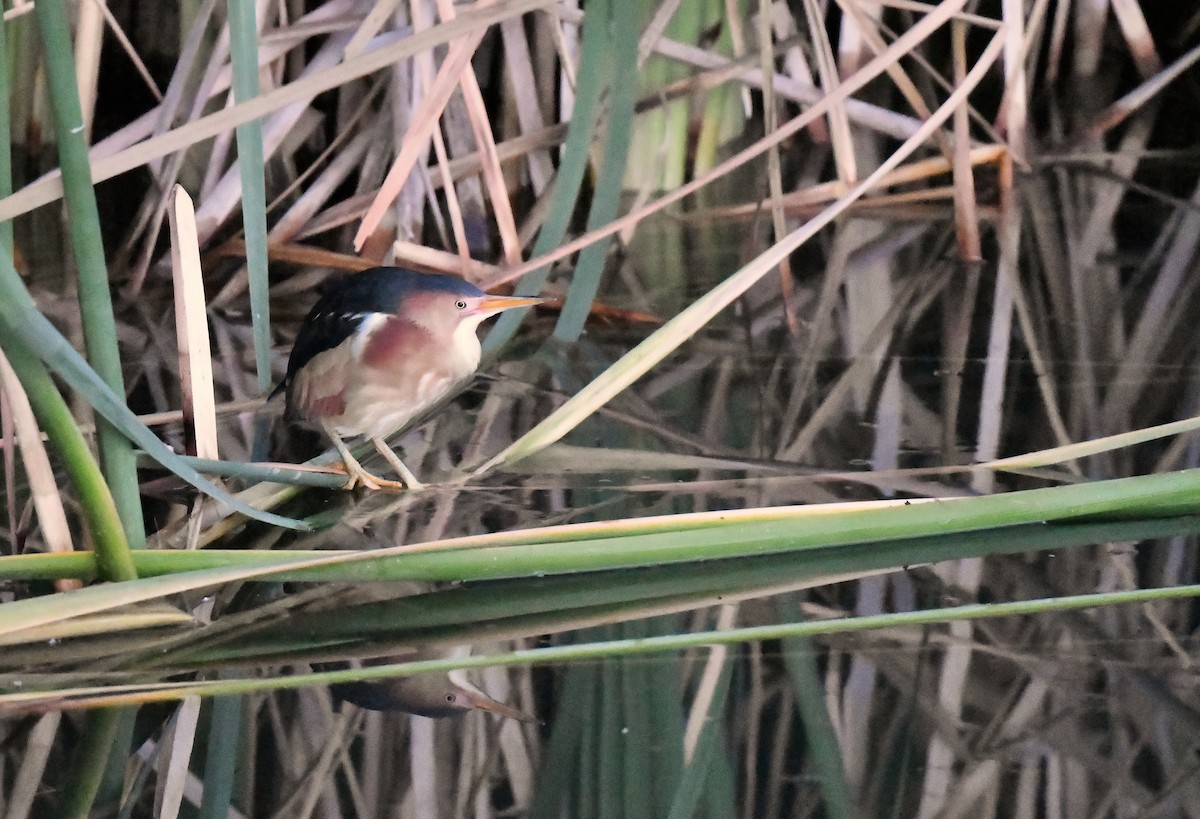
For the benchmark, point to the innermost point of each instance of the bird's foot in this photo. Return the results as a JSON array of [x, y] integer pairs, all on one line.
[[361, 477], [352, 480], [391, 486]]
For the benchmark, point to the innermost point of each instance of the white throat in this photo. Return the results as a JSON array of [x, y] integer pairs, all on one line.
[[465, 341]]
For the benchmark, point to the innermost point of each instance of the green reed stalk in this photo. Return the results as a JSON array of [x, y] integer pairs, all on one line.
[[95, 302], [622, 29], [6, 184], [594, 77], [112, 556], [243, 49], [828, 767]]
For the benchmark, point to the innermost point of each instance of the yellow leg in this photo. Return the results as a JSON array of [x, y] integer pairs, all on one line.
[[355, 470], [389, 455]]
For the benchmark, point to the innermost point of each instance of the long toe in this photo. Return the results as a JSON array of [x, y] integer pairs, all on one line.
[[358, 476], [372, 481]]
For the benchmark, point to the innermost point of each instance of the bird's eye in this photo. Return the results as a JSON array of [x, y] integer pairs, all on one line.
[[451, 697], [460, 304]]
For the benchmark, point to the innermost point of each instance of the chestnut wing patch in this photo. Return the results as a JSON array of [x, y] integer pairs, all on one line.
[[393, 341]]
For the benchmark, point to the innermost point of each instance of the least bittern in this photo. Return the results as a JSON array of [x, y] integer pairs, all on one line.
[[381, 348]]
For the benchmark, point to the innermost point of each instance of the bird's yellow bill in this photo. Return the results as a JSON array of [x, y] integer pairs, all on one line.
[[491, 303], [482, 702]]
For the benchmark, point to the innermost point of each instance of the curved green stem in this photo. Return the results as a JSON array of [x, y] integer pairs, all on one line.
[[95, 301], [113, 558], [89, 763]]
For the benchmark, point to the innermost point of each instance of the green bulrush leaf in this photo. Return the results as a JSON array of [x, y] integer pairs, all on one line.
[[104, 524], [591, 652], [540, 605], [594, 77], [637, 704], [1143, 501], [686, 26], [695, 774], [723, 116], [243, 47], [609, 743], [719, 797], [221, 756], [54, 415], [665, 696], [112, 556], [117, 518], [824, 754], [39, 611], [563, 747], [112, 784], [531, 606], [21, 323], [586, 796], [90, 762], [103, 384], [95, 300], [622, 28], [6, 185], [270, 473], [660, 140]]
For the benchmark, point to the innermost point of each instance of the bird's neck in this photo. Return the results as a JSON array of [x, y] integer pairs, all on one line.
[[464, 342]]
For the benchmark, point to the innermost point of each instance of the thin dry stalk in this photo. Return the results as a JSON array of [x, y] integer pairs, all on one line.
[[29, 777], [485, 142], [827, 70], [89, 35], [1120, 110], [966, 575], [424, 120], [655, 28], [795, 88], [338, 733], [371, 25], [173, 780], [1137, 37], [1163, 307], [774, 168], [123, 40], [1014, 112], [966, 220], [867, 28], [347, 158], [847, 87], [702, 703], [524, 88], [49, 188]]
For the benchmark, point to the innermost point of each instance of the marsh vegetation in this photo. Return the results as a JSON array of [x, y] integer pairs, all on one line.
[[849, 471]]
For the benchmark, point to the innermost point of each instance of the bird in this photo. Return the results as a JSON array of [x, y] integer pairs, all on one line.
[[377, 350], [426, 695], [321, 611]]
